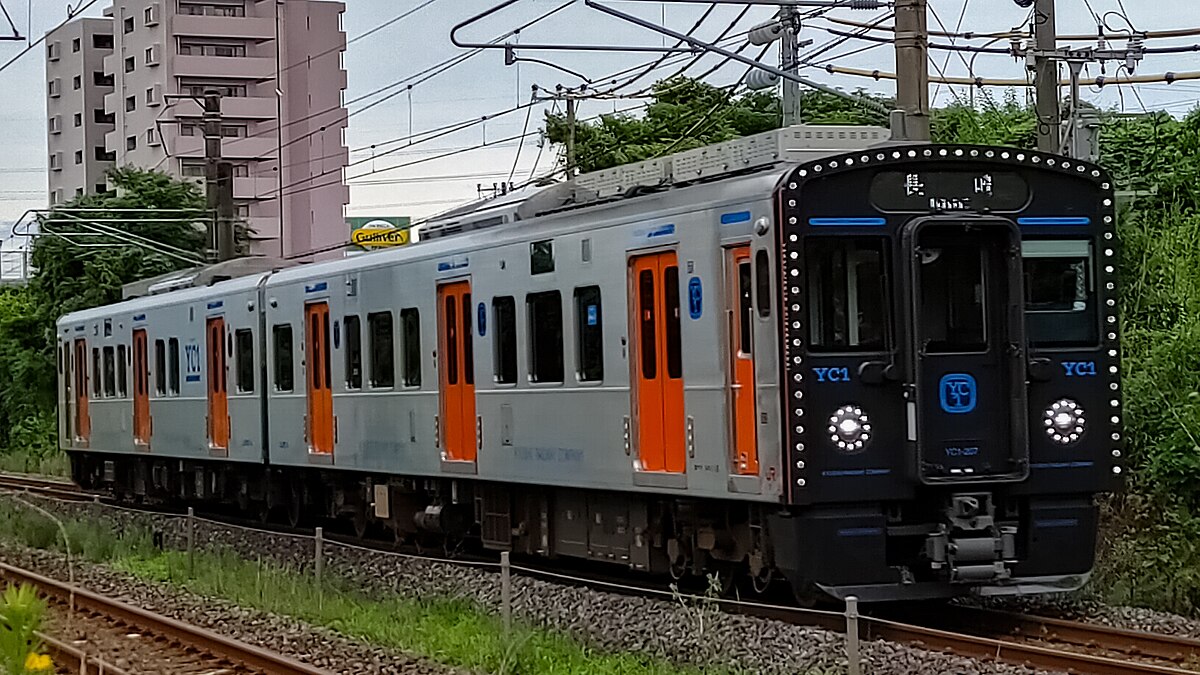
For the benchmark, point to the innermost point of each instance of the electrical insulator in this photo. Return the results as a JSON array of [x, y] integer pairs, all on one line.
[[766, 33], [761, 79]]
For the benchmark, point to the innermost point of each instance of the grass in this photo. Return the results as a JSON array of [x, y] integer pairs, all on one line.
[[55, 464], [450, 631]]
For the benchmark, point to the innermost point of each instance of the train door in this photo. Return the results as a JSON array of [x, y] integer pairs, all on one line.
[[83, 418], [319, 373], [218, 397], [741, 358], [141, 390], [456, 374], [658, 369]]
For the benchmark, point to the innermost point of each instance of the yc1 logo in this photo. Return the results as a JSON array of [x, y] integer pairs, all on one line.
[[958, 393], [1080, 368], [832, 374]]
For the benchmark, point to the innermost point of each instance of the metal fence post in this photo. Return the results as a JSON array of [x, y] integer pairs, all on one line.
[[506, 591], [191, 541], [852, 652]]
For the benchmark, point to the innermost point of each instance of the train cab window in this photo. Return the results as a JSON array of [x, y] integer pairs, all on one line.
[[545, 336], [243, 344], [410, 328], [160, 368], [953, 299], [847, 294], [110, 373], [285, 373], [383, 350], [97, 384], [589, 334], [122, 377], [354, 372], [504, 340], [1060, 293], [762, 281], [173, 367], [541, 257]]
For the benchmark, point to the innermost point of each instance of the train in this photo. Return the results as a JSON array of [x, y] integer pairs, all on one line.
[[869, 368]]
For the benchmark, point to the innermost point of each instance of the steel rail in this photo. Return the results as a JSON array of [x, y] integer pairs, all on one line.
[[252, 657]]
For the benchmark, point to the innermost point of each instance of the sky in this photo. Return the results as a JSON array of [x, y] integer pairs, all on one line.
[[414, 181]]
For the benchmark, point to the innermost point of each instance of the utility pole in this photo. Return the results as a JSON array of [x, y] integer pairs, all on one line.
[[789, 47], [570, 136], [218, 176], [1045, 33], [911, 120]]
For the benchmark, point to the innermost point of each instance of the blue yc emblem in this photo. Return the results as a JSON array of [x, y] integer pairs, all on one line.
[[958, 393]]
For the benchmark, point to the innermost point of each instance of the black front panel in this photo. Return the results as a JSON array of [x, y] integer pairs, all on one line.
[[888, 388]]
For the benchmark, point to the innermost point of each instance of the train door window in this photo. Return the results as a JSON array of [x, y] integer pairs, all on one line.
[[545, 336], [468, 336], [97, 382], [541, 257], [953, 299], [110, 373], [1060, 290], [745, 308], [848, 291], [589, 334], [354, 372], [451, 302], [160, 368], [504, 340], [243, 341], [383, 350], [674, 345], [281, 337], [122, 377], [646, 316], [762, 280], [410, 326], [173, 367]]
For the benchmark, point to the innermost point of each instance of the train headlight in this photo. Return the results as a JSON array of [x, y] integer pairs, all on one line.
[[1064, 421], [849, 428]]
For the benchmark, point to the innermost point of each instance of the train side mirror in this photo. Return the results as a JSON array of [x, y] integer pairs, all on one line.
[[876, 372]]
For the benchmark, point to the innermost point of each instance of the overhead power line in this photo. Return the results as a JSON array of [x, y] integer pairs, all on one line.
[[1099, 81], [33, 45]]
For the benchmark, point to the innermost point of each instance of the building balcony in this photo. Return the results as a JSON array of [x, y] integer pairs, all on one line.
[[225, 67], [233, 107], [256, 147], [254, 187], [242, 27]]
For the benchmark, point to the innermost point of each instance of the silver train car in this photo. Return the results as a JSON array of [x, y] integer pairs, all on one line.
[[890, 371]]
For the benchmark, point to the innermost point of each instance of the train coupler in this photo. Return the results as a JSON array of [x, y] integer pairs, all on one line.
[[969, 546]]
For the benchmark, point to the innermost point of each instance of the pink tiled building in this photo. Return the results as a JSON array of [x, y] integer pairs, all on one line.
[[278, 67]]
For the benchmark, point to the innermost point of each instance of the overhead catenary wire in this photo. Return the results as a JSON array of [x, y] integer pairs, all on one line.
[[33, 45]]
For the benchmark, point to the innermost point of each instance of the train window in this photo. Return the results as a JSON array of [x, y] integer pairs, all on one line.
[[451, 339], [383, 350], [160, 367], [243, 342], [110, 373], [285, 373], [504, 341], [649, 346], [122, 378], [354, 374], [97, 384], [674, 345], [847, 294], [410, 328], [173, 367], [953, 299], [589, 334], [468, 341], [541, 257], [762, 280], [1060, 292], [545, 336]]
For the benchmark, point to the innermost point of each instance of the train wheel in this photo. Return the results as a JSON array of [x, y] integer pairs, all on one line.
[[807, 595]]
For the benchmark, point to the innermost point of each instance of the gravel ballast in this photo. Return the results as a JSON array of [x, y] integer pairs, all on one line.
[[684, 632]]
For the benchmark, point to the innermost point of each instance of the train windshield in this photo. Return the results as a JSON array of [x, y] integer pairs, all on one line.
[[848, 294], [1060, 293]]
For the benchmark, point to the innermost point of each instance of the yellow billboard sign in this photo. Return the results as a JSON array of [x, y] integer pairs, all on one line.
[[380, 232]]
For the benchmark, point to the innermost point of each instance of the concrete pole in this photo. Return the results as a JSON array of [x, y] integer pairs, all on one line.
[[912, 70], [218, 187], [1045, 32], [789, 48], [570, 136]]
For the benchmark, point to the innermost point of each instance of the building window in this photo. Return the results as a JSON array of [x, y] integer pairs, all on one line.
[[545, 336], [212, 9], [77, 82], [102, 79], [281, 337], [101, 117], [78, 192], [160, 367], [192, 168], [226, 89], [410, 328], [131, 143], [102, 41], [130, 103], [79, 157], [101, 188], [244, 351], [149, 137], [383, 350], [233, 130], [129, 65], [504, 340], [589, 334], [353, 329], [210, 49], [76, 45], [128, 25], [241, 170], [78, 119], [173, 358], [103, 155], [150, 56], [148, 15]]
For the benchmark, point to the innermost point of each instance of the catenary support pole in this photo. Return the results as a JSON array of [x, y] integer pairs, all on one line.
[[912, 71], [1045, 32]]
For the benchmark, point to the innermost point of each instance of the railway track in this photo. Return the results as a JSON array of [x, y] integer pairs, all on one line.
[[210, 647], [1039, 642]]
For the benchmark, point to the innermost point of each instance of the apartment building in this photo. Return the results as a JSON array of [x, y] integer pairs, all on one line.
[[278, 69], [78, 123]]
